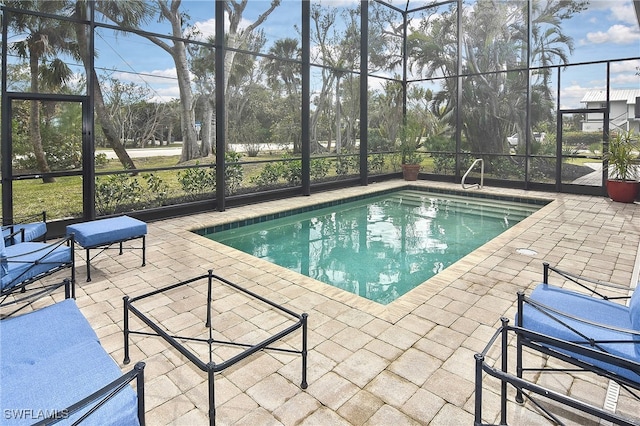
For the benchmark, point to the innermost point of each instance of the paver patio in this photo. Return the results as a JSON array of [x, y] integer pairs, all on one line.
[[410, 362]]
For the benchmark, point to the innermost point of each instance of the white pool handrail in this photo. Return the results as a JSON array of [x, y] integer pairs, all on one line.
[[475, 185]]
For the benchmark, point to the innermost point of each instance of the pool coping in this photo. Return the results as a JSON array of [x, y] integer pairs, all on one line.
[[405, 304]]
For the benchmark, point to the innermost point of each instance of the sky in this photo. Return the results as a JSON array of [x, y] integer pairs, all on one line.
[[607, 30]]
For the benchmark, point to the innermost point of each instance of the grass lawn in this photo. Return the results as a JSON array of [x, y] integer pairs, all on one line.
[[63, 198]]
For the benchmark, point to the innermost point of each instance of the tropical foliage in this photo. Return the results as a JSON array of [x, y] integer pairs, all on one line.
[[431, 93]]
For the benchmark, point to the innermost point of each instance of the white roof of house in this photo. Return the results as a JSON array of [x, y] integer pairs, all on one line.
[[628, 95]]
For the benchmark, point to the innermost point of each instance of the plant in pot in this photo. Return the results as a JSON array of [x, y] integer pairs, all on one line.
[[410, 141], [622, 185]]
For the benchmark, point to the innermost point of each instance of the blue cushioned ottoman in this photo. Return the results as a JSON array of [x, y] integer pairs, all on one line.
[[105, 232]]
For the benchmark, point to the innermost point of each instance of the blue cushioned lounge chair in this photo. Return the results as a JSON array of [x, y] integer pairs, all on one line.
[[30, 228], [594, 327], [22, 264], [53, 369]]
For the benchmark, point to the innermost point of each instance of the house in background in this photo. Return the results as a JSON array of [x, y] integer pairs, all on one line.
[[624, 112]]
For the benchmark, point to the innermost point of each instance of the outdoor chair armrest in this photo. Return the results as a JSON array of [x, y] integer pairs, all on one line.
[[589, 284]]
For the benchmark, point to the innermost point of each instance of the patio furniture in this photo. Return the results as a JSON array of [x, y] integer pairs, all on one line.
[[196, 341], [28, 228], [53, 368], [102, 234], [22, 264], [590, 332]]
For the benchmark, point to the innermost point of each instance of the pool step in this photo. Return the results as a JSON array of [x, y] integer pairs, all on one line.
[[462, 204]]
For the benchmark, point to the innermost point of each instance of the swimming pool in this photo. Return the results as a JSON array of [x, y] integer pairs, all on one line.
[[380, 246]]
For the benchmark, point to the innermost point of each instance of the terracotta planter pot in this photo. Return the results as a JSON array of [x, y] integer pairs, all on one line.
[[410, 171], [623, 191]]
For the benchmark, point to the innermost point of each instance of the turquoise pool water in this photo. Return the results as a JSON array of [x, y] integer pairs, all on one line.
[[378, 247]]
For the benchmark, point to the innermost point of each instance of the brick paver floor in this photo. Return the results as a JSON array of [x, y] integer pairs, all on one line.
[[408, 363]]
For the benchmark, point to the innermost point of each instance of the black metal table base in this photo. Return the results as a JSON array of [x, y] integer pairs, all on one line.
[[209, 366]]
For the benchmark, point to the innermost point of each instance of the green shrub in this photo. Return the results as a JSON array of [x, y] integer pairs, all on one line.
[[156, 189], [319, 168], [269, 176], [344, 164], [292, 171], [198, 181], [581, 140], [101, 159], [375, 163], [377, 142], [444, 163], [233, 172], [115, 192]]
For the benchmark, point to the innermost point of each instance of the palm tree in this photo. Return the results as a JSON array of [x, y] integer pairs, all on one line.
[[281, 68], [284, 73], [494, 40], [44, 39]]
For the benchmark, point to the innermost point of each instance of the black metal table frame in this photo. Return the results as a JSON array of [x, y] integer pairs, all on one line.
[[210, 367]]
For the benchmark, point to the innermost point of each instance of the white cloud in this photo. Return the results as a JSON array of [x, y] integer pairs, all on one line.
[[625, 80], [166, 94], [617, 34], [166, 76], [207, 28], [570, 96], [625, 66], [623, 12], [339, 3]]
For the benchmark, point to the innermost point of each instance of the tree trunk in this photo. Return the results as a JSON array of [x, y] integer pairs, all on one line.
[[108, 127], [34, 122], [207, 129], [190, 148], [338, 118]]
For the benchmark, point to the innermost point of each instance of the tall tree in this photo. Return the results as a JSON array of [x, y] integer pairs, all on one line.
[[338, 49], [202, 62], [494, 39], [176, 47], [386, 111], [284, 76], [44, 40], [282, 68], [126, 14], [239, 37], [245, 81]]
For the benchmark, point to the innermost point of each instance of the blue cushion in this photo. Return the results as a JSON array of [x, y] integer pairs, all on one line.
[[591, 309], [38, 334], [61, 379], [32, 231], [106, 231], [22, 257]]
